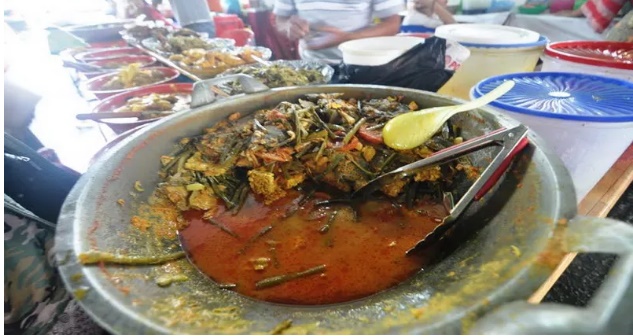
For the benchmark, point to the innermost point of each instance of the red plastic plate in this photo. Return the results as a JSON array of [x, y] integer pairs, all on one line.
[[598, 53]]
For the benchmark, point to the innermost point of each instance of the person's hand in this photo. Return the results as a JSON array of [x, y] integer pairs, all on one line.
[[296, 28], [332, 37], [424, 4], [569, 13]]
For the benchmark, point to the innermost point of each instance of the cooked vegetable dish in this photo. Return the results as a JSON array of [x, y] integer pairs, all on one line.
[[181, 41], [277, 75], [133, 76], [141, 32], [209, 63], [266, 198], [158, 102]]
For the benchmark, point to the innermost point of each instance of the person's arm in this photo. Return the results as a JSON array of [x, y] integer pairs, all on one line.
[[444, 14], [287, 22], [292, 27], [388, 26]]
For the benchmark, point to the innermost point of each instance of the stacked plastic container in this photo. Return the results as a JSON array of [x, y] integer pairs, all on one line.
[[611, 59], [494, 50]]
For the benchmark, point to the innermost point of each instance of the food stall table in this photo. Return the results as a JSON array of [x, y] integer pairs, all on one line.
[[598, 203], [555, 28], [76, 142]]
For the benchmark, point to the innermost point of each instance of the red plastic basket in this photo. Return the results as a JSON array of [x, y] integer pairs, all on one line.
[[226, 22], [242, 37]]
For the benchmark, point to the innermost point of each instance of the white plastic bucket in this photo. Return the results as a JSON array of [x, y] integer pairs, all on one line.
[[588, 149], [488, 58], [486, 62]]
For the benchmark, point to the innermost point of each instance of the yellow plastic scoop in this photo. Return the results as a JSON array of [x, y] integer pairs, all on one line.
[[412, 129]]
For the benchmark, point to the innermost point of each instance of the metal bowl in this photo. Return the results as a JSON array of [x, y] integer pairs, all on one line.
[[125, 124], [95, 85], [503, 249]]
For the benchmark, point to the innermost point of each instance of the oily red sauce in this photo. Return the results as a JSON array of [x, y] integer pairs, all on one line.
[[362, 257]]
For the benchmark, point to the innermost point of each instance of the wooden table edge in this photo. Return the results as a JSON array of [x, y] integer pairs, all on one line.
[[609, 190]]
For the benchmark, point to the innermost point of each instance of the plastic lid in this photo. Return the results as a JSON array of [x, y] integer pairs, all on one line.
[[599, 53], [565, 96], [486, 34]]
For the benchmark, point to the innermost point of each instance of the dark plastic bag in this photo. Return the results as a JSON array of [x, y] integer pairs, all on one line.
[[422, 68], [36, 183]]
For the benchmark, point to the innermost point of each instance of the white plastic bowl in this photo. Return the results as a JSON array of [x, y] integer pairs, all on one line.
[[587, 148], [377, 50], [611, 59]]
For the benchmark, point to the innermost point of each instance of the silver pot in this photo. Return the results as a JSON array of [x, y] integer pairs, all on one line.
[[509, 244]]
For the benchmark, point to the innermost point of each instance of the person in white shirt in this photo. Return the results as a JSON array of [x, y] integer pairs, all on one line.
[[321, 25], [428, 13]]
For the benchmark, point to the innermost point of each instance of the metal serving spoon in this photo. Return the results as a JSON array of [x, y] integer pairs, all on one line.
[[410, 130], [261, 61], [117, 115]]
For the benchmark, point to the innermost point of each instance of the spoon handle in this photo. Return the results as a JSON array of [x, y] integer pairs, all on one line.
[[261, 61], [483, 100], [117, 115]]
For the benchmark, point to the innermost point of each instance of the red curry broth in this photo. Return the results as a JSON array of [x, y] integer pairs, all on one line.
[[361, 257]]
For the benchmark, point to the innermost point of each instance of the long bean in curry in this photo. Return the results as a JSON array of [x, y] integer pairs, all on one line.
[[254, 238], [222, 227], [95, 257], [281, 279]]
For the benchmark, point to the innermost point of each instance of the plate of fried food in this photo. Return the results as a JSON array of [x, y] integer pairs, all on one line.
[[180, 41]]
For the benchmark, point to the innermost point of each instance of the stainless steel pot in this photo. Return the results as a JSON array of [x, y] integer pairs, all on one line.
[[513, 240]]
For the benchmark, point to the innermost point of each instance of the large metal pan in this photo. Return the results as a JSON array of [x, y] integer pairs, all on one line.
[[501, 252]]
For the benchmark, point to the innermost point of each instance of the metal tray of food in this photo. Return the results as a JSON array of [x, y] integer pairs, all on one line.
[[187, 42], [154, 47], [210, 63], [165, 60], [281, 73]]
